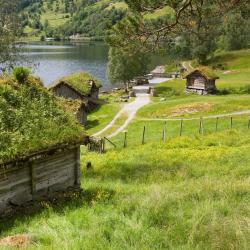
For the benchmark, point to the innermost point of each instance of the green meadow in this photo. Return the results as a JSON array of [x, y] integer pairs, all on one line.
[[188, 191]]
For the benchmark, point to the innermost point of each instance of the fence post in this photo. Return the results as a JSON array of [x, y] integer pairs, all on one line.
[[231, 122], [165, 132], [102, 145], [125, 139], [143, 135], [201, 127], [217, 121], [181, 127]]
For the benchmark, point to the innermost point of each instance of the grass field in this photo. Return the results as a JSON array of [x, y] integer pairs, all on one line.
[[234, 81], [188, 193], [99, 118]]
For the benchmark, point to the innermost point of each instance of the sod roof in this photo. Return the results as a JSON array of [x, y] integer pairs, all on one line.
[[80, 82], [32, 121], [72, 106], [207, 72]]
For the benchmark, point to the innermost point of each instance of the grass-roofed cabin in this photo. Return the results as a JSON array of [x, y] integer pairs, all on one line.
[[201, 81], [80, 85], [40, 144], [77, 108]]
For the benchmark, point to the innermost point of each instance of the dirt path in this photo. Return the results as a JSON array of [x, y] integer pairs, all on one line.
[[130, 110]]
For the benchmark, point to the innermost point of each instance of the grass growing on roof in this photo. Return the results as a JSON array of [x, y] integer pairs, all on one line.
[[80, 81], [31, 119], [205, 71]]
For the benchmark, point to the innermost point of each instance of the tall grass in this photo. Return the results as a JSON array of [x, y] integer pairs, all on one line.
[[184, 194]]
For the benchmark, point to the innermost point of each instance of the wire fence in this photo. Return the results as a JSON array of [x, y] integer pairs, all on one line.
[[161, 130]]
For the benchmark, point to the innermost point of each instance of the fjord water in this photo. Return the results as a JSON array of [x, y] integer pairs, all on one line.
[[53, 60]]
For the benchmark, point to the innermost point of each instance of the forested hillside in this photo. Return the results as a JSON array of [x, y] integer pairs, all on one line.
[[63, 18]]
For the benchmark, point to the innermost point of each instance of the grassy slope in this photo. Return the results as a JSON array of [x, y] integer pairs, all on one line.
[[188, 193], [237, 69], [159, 13], [185, 194], [58, 18], [238, 65], [178, 104], [99, 118], [55, 20]]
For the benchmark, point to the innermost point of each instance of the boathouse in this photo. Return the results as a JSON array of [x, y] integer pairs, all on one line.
[[201, 81], [81, 86], [40, 145]]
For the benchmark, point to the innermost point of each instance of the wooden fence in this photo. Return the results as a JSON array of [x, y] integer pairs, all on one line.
[[162, 133]]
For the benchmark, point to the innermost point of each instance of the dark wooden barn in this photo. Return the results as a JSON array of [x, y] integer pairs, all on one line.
[[201, 81], [81, 86], [40, 146]]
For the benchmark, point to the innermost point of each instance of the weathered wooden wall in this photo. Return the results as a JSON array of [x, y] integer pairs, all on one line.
[[31, 180], [66, 92], [81, 116], [199, 84]]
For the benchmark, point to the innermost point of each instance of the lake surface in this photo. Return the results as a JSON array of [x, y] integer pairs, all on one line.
[[54, 60]]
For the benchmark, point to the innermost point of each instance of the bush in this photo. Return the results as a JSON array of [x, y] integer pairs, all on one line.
[[245, 89], [21, 74]]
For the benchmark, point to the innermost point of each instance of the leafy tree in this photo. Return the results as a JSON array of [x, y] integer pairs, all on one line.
[[9, 30], [124, 66], [198, 18], [237, 31]]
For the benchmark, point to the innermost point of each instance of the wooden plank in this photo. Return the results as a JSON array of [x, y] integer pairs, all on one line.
[[32, 178], [77, 168], [54, 173]]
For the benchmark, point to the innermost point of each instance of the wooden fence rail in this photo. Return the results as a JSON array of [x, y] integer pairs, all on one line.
[[164, 133]]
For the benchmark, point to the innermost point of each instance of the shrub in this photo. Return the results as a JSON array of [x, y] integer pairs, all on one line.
[[21, 74], [245, 89]]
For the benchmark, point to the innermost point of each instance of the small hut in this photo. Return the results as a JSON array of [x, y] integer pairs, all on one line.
[[77, 108], [40, 145], [201, 81], [80, 85]]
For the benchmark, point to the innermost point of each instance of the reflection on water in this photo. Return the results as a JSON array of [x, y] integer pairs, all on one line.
[[54, 60]]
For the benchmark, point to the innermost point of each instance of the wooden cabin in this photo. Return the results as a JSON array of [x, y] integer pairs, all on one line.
[[81, 86], [40, 147], [201, 81], [77, 108]]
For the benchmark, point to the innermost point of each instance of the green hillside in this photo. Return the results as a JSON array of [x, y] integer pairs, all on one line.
[[62, 18]]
